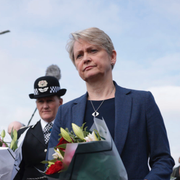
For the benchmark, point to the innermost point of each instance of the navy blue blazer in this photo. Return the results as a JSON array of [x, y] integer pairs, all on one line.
[[140, 134]]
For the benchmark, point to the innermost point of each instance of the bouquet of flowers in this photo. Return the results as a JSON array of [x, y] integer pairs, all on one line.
[[7, 155], [81, 154]]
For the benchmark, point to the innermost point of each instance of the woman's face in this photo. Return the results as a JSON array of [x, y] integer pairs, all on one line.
[[92, 62], [48, 107]]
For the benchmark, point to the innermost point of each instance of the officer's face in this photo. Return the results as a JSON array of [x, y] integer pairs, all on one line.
[[48, 107]]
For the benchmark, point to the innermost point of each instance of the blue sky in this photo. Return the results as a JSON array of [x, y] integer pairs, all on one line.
[[145, 35]]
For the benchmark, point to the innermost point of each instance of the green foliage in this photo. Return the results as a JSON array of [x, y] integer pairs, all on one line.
[[74, 135], [3, 134], [49, 161], [98, 136], [13, 144]]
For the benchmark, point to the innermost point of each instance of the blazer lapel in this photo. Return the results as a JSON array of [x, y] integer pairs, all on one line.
[[37, 133], [78, 110], [122, 116]]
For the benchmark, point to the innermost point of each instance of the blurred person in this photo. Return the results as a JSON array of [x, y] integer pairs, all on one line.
[[47, 93], [176, 172], [132, 116], [14, 125]]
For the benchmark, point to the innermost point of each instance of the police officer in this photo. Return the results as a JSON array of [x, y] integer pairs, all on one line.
[[47, 93]]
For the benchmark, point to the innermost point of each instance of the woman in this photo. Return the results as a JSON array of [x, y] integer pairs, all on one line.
[[132, 117]]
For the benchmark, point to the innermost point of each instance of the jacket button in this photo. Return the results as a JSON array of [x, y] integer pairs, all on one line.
[[45, 150]]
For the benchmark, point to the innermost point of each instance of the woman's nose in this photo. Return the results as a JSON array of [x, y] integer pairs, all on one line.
[[86, 58]]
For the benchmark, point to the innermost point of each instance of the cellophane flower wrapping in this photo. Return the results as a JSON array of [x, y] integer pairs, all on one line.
[[18, 155], [11, 156], [95, 160], [7, 157]]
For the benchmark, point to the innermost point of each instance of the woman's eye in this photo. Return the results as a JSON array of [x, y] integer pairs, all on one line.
[[93, 50], [78, 56]]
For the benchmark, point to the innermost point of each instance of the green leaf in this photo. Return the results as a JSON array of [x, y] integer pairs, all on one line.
[[12, 133], [97, 135], [12, 144], [65, 135], [62, 146], [45, 162], [15, 135]]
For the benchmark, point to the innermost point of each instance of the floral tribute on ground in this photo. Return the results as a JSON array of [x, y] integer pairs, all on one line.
[[82, 154]]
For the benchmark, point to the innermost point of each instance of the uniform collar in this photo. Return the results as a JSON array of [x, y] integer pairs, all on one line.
[[43, 124]]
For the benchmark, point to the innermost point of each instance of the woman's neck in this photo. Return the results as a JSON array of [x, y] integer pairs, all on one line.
[[101, 91]]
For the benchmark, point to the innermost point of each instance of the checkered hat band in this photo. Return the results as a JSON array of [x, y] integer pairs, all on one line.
[[52, 89]]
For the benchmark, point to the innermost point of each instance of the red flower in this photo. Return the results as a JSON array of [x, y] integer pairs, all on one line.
[[62, 141], [54, 168]]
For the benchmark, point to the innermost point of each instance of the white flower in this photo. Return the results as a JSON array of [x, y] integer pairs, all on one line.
[[57, 154], [91, 137]]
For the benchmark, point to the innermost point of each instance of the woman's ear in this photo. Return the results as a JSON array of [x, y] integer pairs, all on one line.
[[113, 57]]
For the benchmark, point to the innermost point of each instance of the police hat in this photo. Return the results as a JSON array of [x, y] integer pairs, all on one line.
[[47, 86]]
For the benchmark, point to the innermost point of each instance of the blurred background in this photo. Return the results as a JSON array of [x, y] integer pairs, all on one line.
[[145, 35]]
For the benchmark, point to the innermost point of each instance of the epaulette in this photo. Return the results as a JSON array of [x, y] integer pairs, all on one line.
[[24, 127], [32, 126]]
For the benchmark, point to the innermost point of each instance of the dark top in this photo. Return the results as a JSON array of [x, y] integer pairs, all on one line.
[[106, 111]]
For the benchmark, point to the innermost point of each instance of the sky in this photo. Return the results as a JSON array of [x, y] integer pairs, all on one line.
[[145, 35]]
